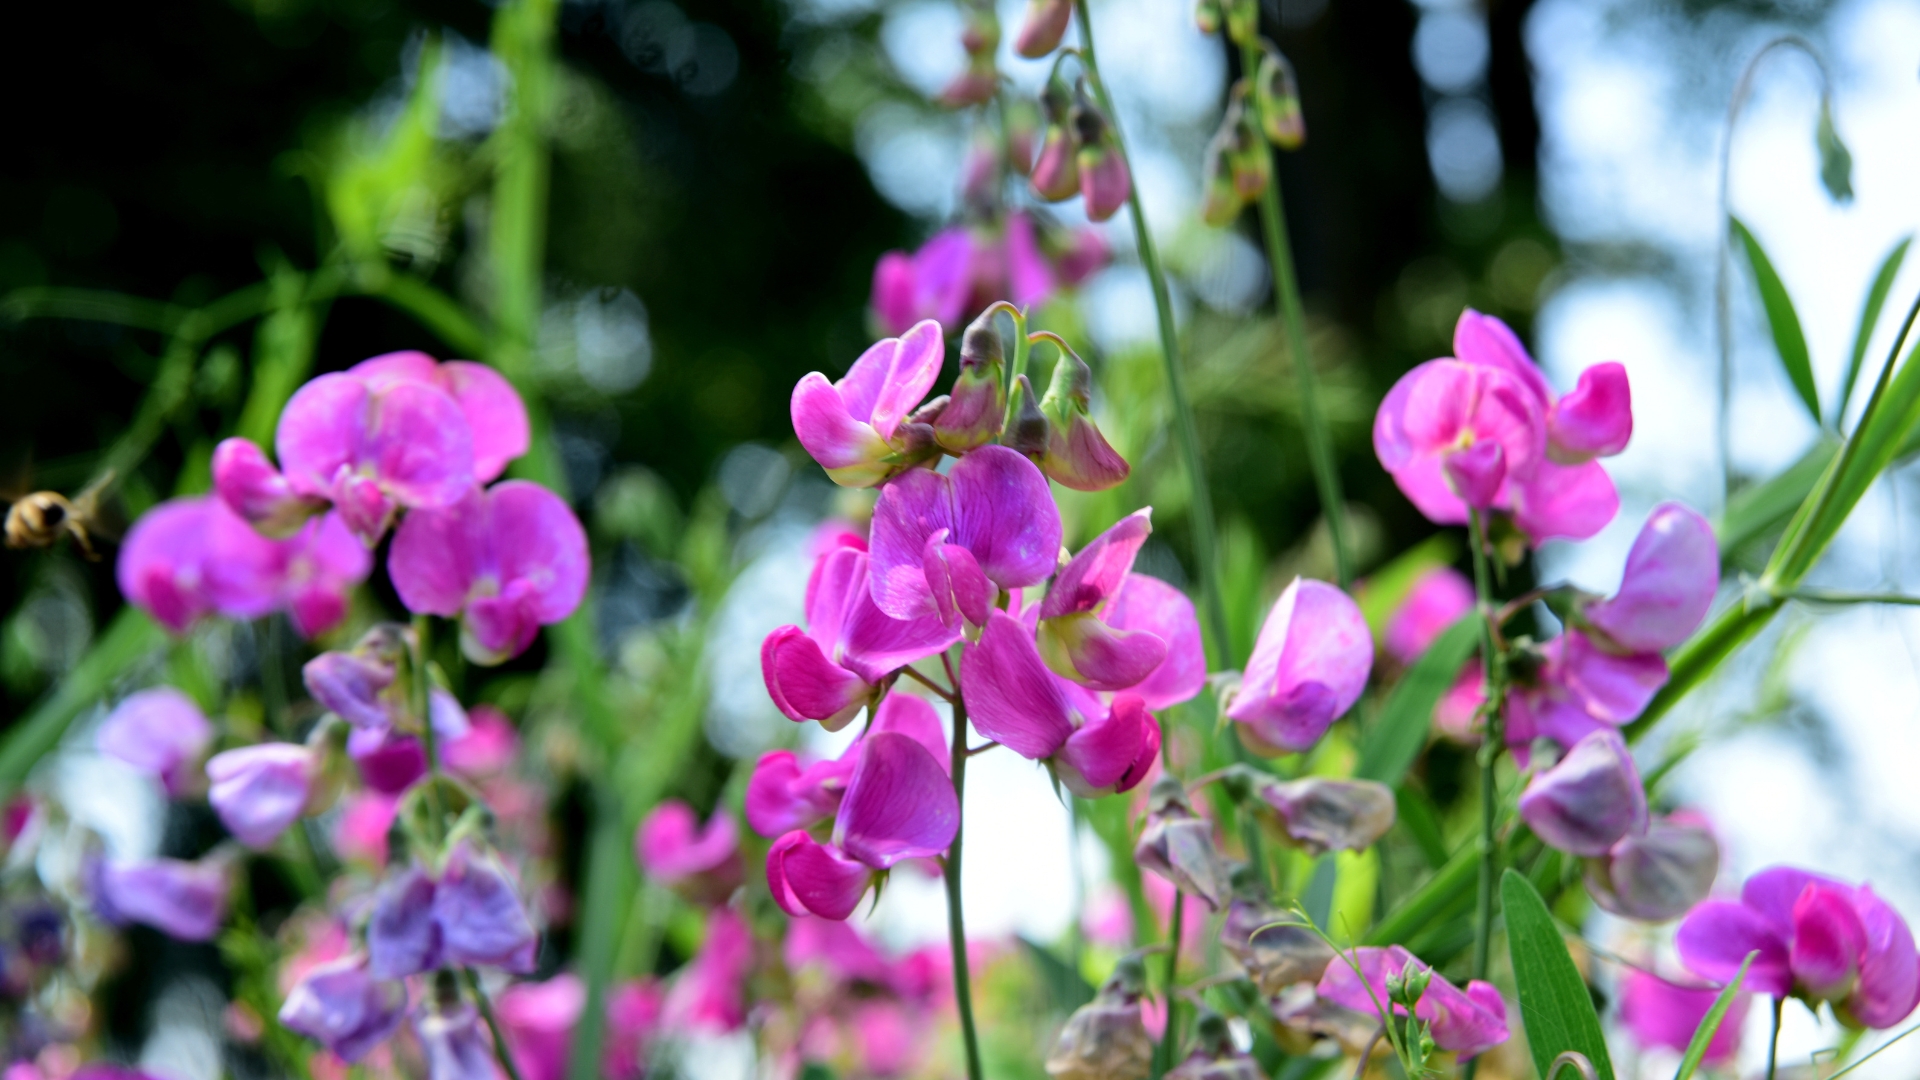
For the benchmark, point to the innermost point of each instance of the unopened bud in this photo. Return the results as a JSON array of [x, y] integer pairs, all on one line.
[[1022, 121], [1077, 455], [1105, 182], [981, 35], [1026, 429], [1222, 203], [1279, 94], [1407, 988], [973, 86], [1322, 815], [1106, 1039], [977, 410], [1246, 153], [1056, 173], [1206, 16], [1177, 844], [1044, 26], [1836, 163], [1243, 20]]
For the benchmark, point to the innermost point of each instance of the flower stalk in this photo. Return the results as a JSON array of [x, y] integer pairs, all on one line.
[[1493, 742], [956, 919]]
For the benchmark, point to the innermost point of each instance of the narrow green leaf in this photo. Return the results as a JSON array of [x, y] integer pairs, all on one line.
[[1554, 1003], [1869, 318], [1710, 1024], [1788, 338], [1396, 737], [128, 639], [1422, 819], [1759, 508], [1066, 988]]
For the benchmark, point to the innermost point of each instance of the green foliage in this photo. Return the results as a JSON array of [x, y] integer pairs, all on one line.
[[1869, 318], [1395, 739], [1788, 339], [1555, 1005], [1710, 1024]]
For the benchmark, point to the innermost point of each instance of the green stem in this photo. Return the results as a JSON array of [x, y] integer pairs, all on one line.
[[1169, 1038], [500, 1051], [422, 699], [1836, 596], [1491, 745], [1773, 1044], [1286, 297], [956, 920], [1205, 542]]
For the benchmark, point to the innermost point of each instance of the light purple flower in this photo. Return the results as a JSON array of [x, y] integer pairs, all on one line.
[[1580, 688], [1590, 799], [453, 1042], [158, 731], [185, 900], [508, 560], [898, 805], [1468, 1022], [1095, 747], [341, 1006], [671, 844], [1658, 1013], [1818, 939], [1073, 638], [829, 670], [1658, 873], [782, 795], [1308, 667], [1437, 600], [853, 427], [260, 790], [1668, 585], [994, 505], [470, 915]]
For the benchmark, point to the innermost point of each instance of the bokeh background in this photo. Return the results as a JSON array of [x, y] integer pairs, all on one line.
[[726, 173]]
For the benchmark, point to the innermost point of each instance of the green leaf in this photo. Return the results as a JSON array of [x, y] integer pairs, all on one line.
[[1395, 739], [126, 641], [1759, 508], [1710, 1024], [1387, 587], [1066, 988], [1836, 163], [1869, 317], [1788, 338], [1554, 1003]]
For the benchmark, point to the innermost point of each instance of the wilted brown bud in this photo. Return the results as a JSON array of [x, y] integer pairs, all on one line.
[[1213, 1055], [1177, 844], [1658, 875], [1270, 945], [1323, 815], [1105, 1039]]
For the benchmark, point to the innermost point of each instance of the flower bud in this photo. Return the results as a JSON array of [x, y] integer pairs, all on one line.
[[981, 34], [980, 172], [1243, 20], [1177, 844], [1268, 943], [1044, 26], [1222, 202], [1077, 455], [975, 85], [1206, 16], [251, 487], [1105, 182], [1672, 571], [1247, 159], [260, 790], [1106, 1039], [1279, 97], [356, 684], [1321, 815], [1026, 429], [977, 408], [1056, 171], [1659, 874], [1590, 800]]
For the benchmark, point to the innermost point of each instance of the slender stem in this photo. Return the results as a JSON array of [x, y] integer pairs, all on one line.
[[1367, 1054], [944, 692], [1834, 596], [1286, 297], [1206, 546], [1493, 742], [1773, 1044], [1169, 1038], [956, 921], [500, 1050], [423, 709]]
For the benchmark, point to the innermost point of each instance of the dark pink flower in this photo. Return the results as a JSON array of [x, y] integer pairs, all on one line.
[[829, 670], [1094, 747], [252, 488], [389, 761], [260, 790], [633, 1022], [1456, 435], [837, 949], [361, 832], [898, 805], [538, 1019], [1590, 799], [1658, 1013], [1073, 638], [494, 413], [1468, 1022], [1030, 277], [371, 452], [709, 994], [159, 731], [783, 795], [487, 748], [1437, 600], [507, 560], [341, 1006], [1308, 667], [185, 900], [671, 844], [1817, 939], [1043, 27], [857, 428]]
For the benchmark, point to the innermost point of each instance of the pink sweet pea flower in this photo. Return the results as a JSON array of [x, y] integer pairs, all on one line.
[[260, 790], [1308, 667], [1658, 1013], [998, 517], [828, 671], [1456, 435], [341, 1006], [1437, 600], [1669, 582], [1147, 604], [783, 796], [1468, 1022], [1094, 747], [1581, 688], [508, 560], [1818, 939], [185, 900], [633, 1022], [672, 846], [1073, 639], [710, 992], [494, 413], [837, 949], [538, 1021], [361, 833], [251, 487], [389, 762], [934, 283], [487, 748], [899, 805], [1030, 279], [158, 731], [1590, 800], [854, 427]]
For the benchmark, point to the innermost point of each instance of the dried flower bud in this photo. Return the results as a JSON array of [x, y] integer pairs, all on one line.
[[1279, 96], [1177, 844], [1077, 455], [1323, 815], [1214, 1057], [1660, 874], [1106, 1039], [1043, 27], [1275, 951], [977, 409]]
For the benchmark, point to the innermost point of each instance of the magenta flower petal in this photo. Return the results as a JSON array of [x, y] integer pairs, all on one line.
[[260, 790], [1774, 891], [1590, 800], [915, 718], [403, 937], [960, 590], [161, 568], [1437, 600], [1029, 277], [1828, 942], [1476, 473], [320, 433], [1614, 689], [805, 685], [1595, 420], [538, 1019], [1571, 502], [1669, 582], [671, 844], [184, 900], [495, 415], [1444, 407], [850, 450], [899, 803], [1890, 974], [877, 645], [810, 878], [916, 364], [1011, 696], [1486, 341], [1308, 667], [324, 561], [389, 762], [1466, 1022], [1097, 571], [341, 1005], [995, 503], [893, 286], [252, 488], [480, 916], [943, 273], [1715, 938], [417, 441], [1096, 759], [1151, 605], [158, 731], [710, 994], [1658, 1013], [782, 796]]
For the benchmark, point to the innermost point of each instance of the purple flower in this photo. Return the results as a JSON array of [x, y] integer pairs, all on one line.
[[260, 790], [1308, 667], [1817, 939], [470, 915], [185, 900], [1590, 800], [1095, 747], [1437, 600], [1072, 637], [783, 796], [158, 731], [1468, 1022], [898, 805], [1671, 574], [508, 560], [828, 671], [994, 505], [934, 284], [341, 1006], [389, 762], [1658, 873], [671, 844], [1658, 1013], [854, 427], [455, 1045], [710, 993]]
